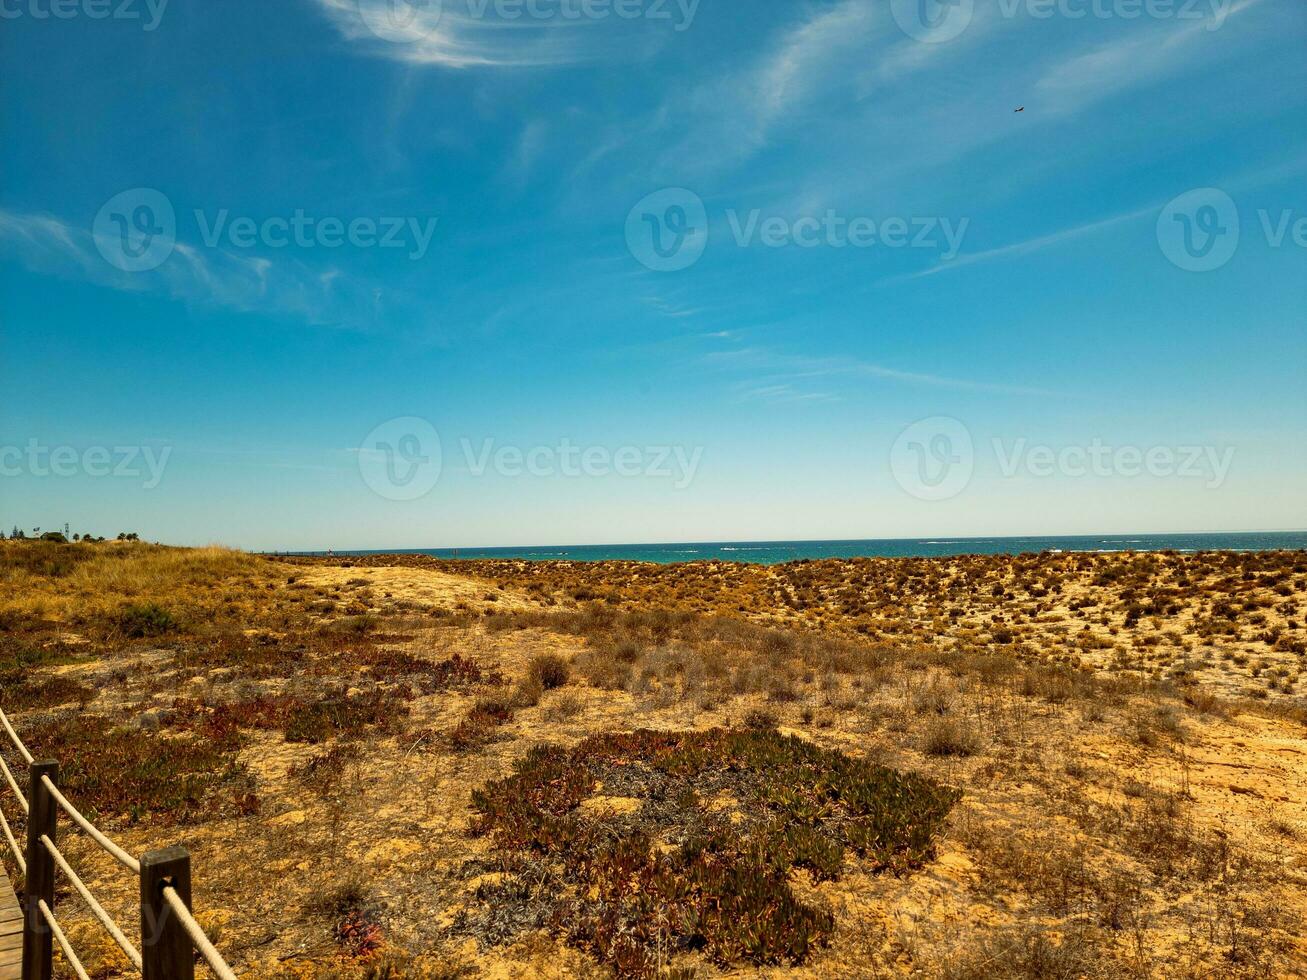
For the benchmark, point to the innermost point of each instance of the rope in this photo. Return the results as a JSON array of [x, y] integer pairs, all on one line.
[[125, 859], [69, 955], [22, 749], [110, 926], [13, 783], [13, 844], [211, 956]]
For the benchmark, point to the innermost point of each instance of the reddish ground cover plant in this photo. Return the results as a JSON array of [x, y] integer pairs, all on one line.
[[701, 858]]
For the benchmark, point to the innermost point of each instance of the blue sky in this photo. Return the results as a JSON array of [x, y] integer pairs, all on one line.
[[788, 383]]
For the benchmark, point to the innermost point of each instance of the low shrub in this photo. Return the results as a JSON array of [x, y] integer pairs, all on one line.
[[324, 773], [22, 692], [345, 717], [724, 888], [123, 773], [478, 726], [145, 620], [949, 736], [551, 670]]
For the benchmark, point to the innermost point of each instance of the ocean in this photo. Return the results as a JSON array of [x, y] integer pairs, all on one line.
[[774, 552]]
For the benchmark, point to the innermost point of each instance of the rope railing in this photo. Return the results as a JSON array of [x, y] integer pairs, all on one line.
[[123, 858], [96, 908], [211, 955], [69, 953], [18, 742], [169, 931], [13, 783], [13, 844]]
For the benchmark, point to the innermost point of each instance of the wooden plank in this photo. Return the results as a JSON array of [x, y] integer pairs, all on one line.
[[11, 932]]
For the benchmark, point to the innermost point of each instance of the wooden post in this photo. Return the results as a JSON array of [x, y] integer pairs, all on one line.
[[42, 821], [166, 949]]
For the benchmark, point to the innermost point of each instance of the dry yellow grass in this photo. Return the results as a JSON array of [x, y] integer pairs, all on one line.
[[97, 579]]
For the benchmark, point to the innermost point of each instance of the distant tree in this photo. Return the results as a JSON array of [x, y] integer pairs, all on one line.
[[76, 536]]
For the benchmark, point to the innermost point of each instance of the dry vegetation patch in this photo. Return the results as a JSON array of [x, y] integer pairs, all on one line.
[[1025, 766], [639, 884]]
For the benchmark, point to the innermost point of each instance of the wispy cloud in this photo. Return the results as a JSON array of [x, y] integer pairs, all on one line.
[[209, 276], [785, 394], [1144, 56], [777, 370], [733, 115], [1268, 175], [1029, 245], [470, 33]]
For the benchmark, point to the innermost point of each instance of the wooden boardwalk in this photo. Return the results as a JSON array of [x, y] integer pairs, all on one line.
[[11, 932]]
